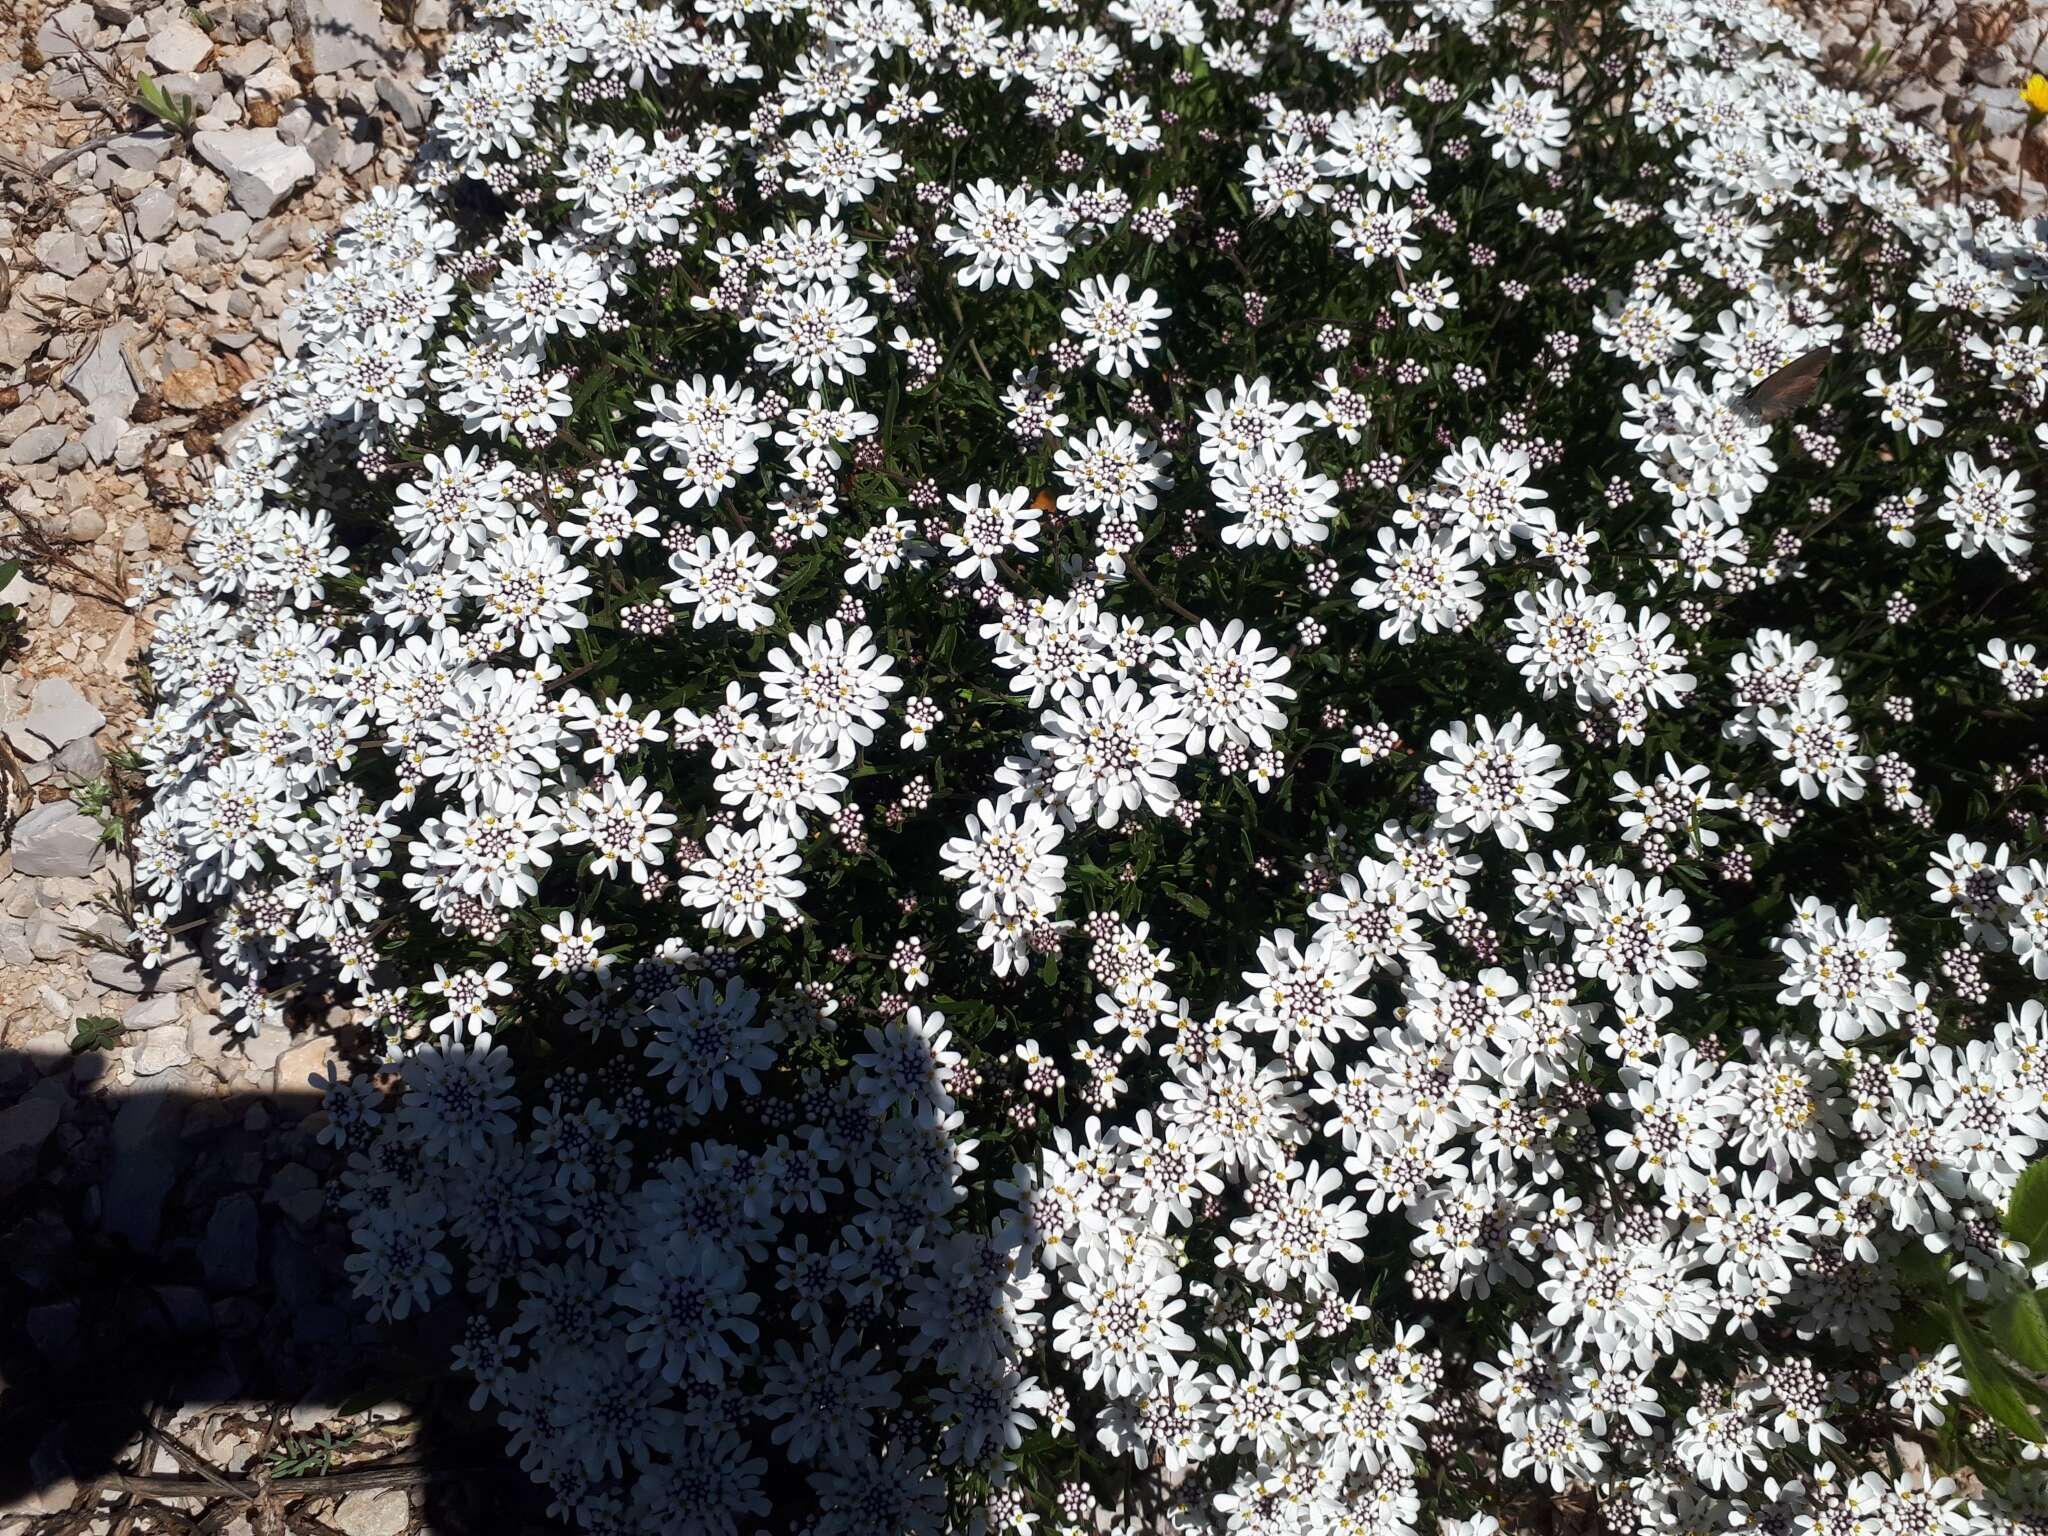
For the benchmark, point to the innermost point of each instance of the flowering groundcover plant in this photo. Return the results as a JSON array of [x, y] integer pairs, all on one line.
[[1277, 770]]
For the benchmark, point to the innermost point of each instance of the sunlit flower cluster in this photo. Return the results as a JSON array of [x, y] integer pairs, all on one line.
[[1154, 766]]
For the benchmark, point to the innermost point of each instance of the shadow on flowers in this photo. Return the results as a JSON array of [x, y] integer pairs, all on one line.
[[176, 1323]]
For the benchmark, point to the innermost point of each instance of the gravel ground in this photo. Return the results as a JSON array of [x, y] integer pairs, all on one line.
[[162, 1240]]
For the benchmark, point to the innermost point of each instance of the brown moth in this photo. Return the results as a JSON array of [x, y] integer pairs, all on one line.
[[1786, 390]]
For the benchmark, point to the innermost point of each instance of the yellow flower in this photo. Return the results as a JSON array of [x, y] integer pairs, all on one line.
[[2035, 94]]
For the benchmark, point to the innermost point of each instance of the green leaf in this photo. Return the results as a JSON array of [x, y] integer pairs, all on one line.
[[2026, 1217], [1921, 1268], [2028, 1388], [2020, 1329], [1991, 1384], [97, 1032], [1917, 1328], [1191, 901], [159, 104], [363, 1401]]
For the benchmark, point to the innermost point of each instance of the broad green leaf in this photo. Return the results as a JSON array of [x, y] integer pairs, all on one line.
[[2026, 1216], [2021, 1330], [1991, 1384], [2028, 1388], [1920, 1267], [1918, 1328]]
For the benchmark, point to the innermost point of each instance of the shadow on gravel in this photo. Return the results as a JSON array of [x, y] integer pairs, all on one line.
[[175, 1323]]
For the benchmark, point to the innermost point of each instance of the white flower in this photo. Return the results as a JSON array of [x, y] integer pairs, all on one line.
[[1286, 175], [1118, 1325], [743, 877], [687, 1307], [1374, 234], [783, 779], [988, 530], [1488, 501], [830, 685], [1503, 780], [1008, 235], [493, 848], [2025, 894], [1425, 585], [609, 517], [1112, 751], [1678, 1120], [1846, 967], [1274, 498], [1007, 860], [1425, 299], [462, 502], [1343, 412], [1298, 1231], [1632, 936], [466, 998], [1986, 510], [816, 434], [527, 590], [1124, 123], [1308, 1001], [398, 1264], [549, 289], [623, 824], [1644, 326], [906, 1065], [458, 1097], [1120, 330], [880, 550], [1372, 915], [1235, 427], [1225, 685], [816, 333], [1113, 471], [1923, 1386], [722, 578], [1909, 401], [1376, 142], [1523, 124], [841, 164], [2025, 679]]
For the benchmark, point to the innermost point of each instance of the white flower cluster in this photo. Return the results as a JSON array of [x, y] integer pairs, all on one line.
[[1112, 573]]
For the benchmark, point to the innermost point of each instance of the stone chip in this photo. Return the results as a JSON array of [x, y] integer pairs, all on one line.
[[261, 169], [179, 49], [37, 444], [229, 1254], [56, 839], [151, 1013], [58, 715], [102, 378], [23, 1130], [64, 252], [142, 150], [342, 34], [374, 1512], [160, 1051]]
